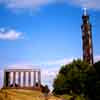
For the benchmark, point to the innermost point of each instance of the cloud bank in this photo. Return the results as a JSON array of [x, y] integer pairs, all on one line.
[[59, 62], [48, 74], [34, 4], [24, 4], [10, 34], [90, 4]]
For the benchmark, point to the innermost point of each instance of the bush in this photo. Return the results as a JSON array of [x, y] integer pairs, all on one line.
[[45, 89]]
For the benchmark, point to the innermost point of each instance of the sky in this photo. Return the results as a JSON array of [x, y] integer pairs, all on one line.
[[45, 34]]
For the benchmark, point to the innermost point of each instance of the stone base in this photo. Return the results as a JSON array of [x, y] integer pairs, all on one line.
[[26, 88]]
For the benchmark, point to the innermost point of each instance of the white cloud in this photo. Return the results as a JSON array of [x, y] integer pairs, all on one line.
[[25, 4], [48, 76], [59, 61], [10, 34], [96, 58], [90, 4], [33, 4]]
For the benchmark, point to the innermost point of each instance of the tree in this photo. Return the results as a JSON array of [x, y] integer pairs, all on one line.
[[97, 67], [97, 88], [45, 90], [75, 78]]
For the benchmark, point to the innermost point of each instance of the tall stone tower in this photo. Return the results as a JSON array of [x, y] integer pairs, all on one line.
[[87, 38]]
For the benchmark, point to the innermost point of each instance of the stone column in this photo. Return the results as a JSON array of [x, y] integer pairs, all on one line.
[[6, 79], [19, 79], [14, 79], [29, 79], [34, 78], [39, 78], [24, 79]]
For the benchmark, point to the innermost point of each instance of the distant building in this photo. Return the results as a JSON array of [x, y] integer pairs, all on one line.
[[87, 38]]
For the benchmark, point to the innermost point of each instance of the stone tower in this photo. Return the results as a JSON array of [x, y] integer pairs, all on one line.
[[87, 38]]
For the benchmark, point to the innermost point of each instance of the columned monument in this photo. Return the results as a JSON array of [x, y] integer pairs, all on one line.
[[20, 77]]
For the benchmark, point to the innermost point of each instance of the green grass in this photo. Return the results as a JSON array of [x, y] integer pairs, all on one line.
[[68, 97]]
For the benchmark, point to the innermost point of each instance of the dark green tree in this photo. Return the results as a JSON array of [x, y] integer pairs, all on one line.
[[97, 67], [75, 78], [97, 86]]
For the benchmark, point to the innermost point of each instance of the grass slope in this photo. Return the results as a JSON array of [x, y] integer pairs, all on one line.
[[13, 94]]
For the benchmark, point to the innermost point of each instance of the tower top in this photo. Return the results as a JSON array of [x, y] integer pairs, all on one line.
[[85, 16], [85, 11]]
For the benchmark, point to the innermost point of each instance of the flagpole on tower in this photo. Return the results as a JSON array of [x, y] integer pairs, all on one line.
[[85, 11]]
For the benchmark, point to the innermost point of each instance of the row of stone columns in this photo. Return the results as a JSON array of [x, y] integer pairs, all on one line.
[[7, 78]]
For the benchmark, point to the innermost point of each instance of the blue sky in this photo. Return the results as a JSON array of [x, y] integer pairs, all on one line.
[[45, 33]]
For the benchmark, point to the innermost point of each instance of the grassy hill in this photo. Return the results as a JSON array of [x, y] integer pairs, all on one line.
[[14, 94]]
